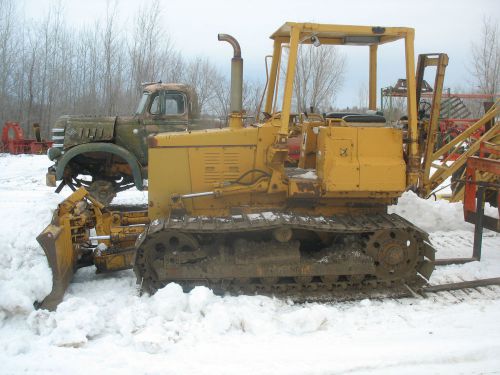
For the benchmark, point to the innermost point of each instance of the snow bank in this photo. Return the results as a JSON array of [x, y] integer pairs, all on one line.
[[153, 324], [431, 215], [248, 335], [24, 203], [309, 175]]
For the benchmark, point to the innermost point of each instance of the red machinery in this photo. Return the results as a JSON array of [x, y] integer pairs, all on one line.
[[450, 128], [454, 117], [20, 145], [478, 190]]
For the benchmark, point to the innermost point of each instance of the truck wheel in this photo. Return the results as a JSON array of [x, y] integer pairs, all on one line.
[[103, 191]]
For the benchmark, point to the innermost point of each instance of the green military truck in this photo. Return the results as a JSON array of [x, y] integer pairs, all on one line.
[[110, 154]]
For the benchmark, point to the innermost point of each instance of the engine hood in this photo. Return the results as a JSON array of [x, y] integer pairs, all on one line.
[[87, 129]]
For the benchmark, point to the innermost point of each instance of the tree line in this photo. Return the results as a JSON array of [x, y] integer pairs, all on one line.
[[48, 68]]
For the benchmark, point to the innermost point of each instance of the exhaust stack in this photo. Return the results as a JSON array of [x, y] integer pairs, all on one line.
[[236, 81]]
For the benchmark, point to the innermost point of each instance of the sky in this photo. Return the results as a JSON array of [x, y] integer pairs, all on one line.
[[449, 26]]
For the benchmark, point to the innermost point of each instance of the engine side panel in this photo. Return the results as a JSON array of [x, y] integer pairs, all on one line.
[[361, 160], [183, 163], [88, 129], [382, 167]]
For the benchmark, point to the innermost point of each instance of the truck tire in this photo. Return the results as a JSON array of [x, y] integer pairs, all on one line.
[[105, 148]]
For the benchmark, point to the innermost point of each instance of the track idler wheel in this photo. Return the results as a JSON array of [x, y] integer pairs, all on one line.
[[394, 253], [159, 249]]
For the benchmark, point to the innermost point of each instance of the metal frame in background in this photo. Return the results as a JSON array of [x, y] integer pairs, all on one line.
[[474, 198], [448, 159]]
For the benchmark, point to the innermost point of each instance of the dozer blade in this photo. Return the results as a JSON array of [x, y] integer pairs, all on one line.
[[67, 241], [61, 241], [56, 243]]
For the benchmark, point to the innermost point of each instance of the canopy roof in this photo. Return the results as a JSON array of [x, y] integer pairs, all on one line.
[[341, 34]]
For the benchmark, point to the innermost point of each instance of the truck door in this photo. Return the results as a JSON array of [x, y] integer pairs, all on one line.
[[168, 112], [165, 111]]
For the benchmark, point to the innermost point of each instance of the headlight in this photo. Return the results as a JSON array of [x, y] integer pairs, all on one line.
[[53, 153]]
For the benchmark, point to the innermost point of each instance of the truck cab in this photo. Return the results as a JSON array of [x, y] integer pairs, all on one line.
[[108, 154]]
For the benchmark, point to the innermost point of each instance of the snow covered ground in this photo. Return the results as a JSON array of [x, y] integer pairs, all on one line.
[[104, 326]]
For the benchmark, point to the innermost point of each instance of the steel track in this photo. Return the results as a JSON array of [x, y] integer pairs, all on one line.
[[344, 289]]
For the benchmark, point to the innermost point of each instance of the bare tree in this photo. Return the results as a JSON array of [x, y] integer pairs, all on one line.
[[202, 74], [54, 48], [486, 58], [151, 47], [7, 54], [112, 60], [363, 96], [318, 76], [88, 68], [30, 79], [49, 67], [219, 105], [174, 66], [396, 110], [252, 94]]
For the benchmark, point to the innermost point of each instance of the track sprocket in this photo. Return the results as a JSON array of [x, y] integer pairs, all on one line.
[[394, 251]]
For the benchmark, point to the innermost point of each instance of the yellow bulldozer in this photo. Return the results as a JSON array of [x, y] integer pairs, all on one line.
[[224, 210]]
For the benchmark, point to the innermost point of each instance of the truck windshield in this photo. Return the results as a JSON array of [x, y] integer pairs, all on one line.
[[142, 103]]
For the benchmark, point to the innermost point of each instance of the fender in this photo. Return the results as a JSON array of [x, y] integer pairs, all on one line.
[[101, 147]]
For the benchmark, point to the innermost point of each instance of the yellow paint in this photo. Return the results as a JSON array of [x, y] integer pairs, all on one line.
[[290, 76], [308, 144], [414, 159], [372, 91], [353, 159], [380, 157], [337, 159]]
